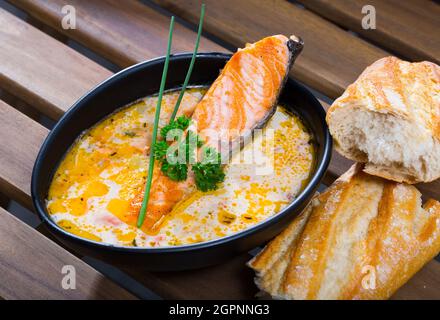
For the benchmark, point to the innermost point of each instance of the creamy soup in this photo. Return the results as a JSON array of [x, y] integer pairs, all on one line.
[[107, 166]]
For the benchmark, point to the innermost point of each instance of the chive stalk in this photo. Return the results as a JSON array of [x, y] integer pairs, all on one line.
[[143, 210], [191, 65]]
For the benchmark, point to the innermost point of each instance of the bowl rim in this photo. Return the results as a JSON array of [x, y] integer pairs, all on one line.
[[316, 177]]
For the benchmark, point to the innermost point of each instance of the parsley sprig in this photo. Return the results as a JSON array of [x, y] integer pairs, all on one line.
[[181, 123], [208, 173], [160, 150], [176, 172], [177, 169]]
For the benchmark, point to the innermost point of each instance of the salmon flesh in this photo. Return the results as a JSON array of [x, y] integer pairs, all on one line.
[[241, 99]]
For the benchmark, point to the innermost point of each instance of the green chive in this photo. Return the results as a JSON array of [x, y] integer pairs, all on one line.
[[143, 210], [191, 65]]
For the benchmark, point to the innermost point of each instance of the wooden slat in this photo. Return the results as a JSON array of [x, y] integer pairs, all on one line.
[[19, 105], [46, 29], [229, 280], [31, 267], [27, 68], [332, 58], [406, 27], [195, 284], [124, 32], [183, 284], [21, 139]]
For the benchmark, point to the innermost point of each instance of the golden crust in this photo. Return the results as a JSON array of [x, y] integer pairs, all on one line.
[[360, 225], [400, 88], [276, 248], [401, 240], [271, 263], [390, 175]]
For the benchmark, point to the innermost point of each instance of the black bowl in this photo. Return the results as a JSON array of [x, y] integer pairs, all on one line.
[[142, 80]]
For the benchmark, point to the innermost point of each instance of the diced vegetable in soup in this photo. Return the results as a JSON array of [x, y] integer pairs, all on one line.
[[106, 168]]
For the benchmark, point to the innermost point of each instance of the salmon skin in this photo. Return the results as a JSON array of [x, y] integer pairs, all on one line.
[[241, 99]]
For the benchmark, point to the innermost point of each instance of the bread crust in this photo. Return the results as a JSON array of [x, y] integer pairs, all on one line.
[[419, 79], [360, 222], [400, 90], [394, 175], [271, 263]]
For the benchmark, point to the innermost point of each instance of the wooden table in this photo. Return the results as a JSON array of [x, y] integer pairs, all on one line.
[[43, 71]]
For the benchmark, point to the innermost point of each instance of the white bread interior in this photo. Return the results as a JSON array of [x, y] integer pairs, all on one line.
[[392, 147], [390, 120]]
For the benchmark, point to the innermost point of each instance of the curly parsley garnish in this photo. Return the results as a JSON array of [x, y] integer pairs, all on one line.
[[160, 150], [181, 123], [208, 173], [176, 172]]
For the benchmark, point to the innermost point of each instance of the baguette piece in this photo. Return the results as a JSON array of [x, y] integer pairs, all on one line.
[[271, 263], [390, 119], [363, 239]]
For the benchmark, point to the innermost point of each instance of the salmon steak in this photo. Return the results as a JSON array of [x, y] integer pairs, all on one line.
[[241, 99]]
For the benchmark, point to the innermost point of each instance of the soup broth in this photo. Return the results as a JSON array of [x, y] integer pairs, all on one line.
[[107, 166]]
